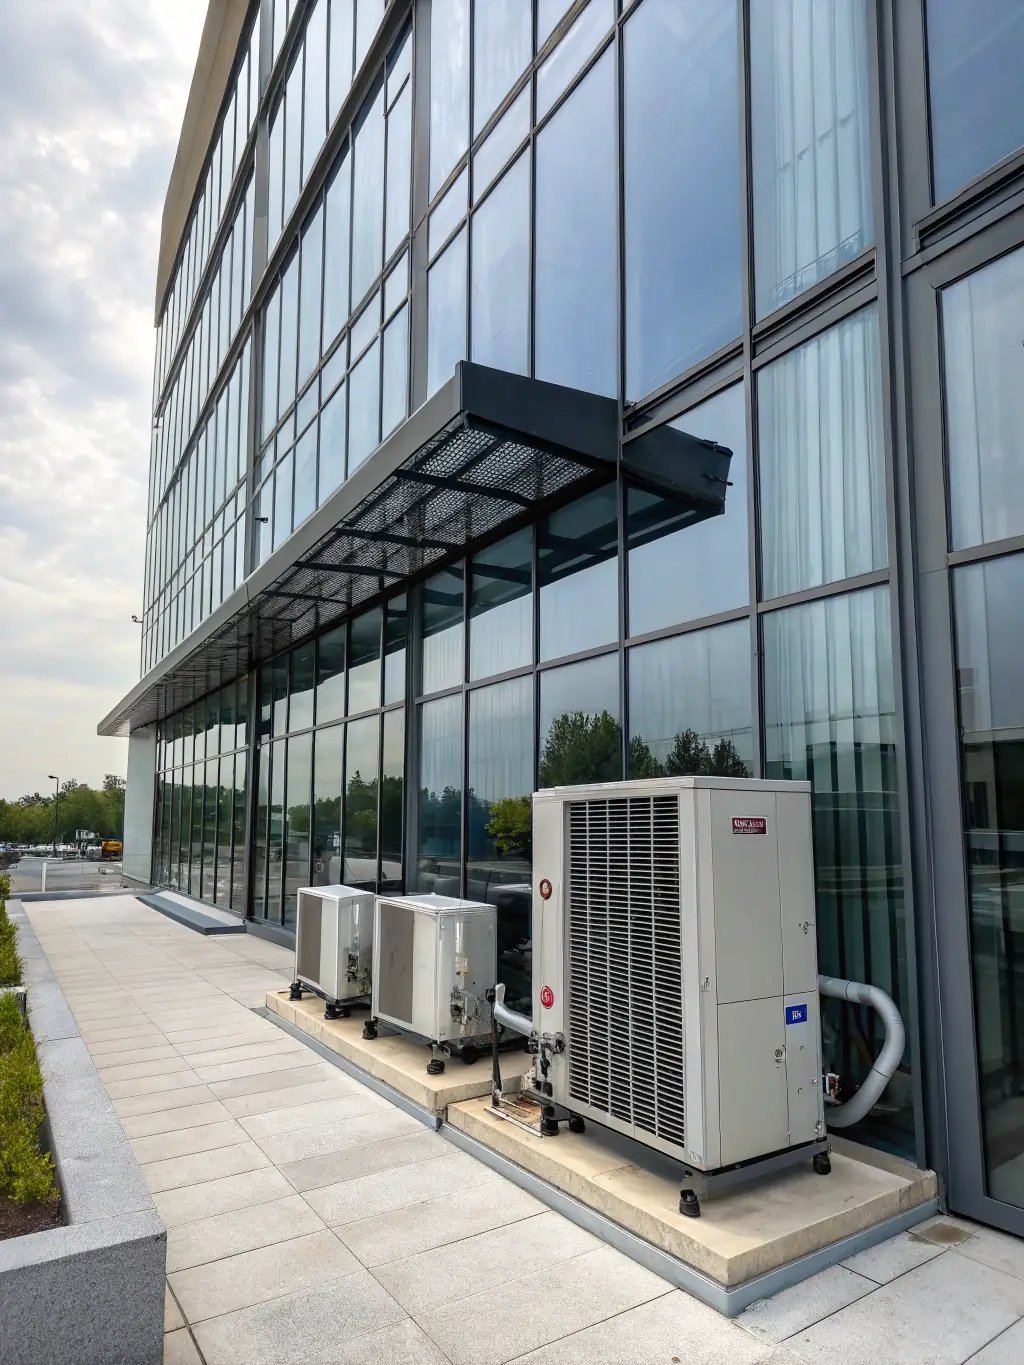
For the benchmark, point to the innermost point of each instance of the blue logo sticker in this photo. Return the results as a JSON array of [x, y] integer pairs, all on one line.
[[796, 1014]]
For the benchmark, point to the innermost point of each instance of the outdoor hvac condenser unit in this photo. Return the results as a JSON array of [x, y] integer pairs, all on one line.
[[434, 958], [675, 981], [334, 945]]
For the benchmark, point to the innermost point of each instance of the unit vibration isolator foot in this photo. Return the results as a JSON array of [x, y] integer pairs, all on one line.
[[435, 1067], [576, 1124], [295, 991], [822, 1164], [370, 1029], [689, 1204]]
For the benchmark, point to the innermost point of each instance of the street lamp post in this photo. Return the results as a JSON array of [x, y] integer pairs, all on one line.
[[56, 808]]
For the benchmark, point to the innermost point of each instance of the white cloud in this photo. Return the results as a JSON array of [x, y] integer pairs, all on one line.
[[91, 100]]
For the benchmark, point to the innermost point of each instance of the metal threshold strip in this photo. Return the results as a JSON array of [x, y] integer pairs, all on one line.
[[488, 449]]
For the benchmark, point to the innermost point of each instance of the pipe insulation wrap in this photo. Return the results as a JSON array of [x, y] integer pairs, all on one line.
[[510, 1019], [864, 1099]]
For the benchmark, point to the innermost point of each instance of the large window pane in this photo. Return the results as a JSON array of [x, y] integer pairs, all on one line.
[[362, 758], [990, 671], [981, 331], [392, 801], [364, 408], [260, 843], [225, 789], [501, 607], [682, 166], [446, 314], [822, 461], [500, 322], [439, 842], [300, 755], [275, 840], [578, 575], [364, 662], [449, 88], [336, 252], [330, 676], [396, 632], [678, 575], [305, 475], [303, 678], [368, 200], [442, 630], [689, 705], [327, 767], [975, 57], [580, 734], [309, 301], [211, 802], [500, 821], [332, 445], [502, 45], [238, 817], [830, 717], [399, 172], [812, 173], [395, 396], [576, 270]]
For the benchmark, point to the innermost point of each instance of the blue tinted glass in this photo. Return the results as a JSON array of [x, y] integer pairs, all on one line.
[[362, 759], [332, 444], [580, 734], [283, 501], [449, 88], [830, 718], [689, 705], [576, 238], [446, 317], [681, 133], [392, 801], [369, 13], [271, 338], [449, 213], [292, 138], [305, 475], [399, 171], [365, 327], [395, 398], [309, 305], [302, 680], [330, 676], [315, 96], [501, 607], [328, 748], [822, 471], [573, 50], [364, 416], [368, 200], [812, 172], [439, 851], [364, 662], [501, 142], [396, 631], [340, 77], [289, 332], [548, 14], [442, 630], [981, 318], [578, 575], [683, 574], [275, 172], [336, 254], [975, 58], [500, 324], [502, 46]]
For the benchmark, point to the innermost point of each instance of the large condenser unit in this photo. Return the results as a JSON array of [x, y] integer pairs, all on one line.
[[334, 946], [675, 976], [434, 960]]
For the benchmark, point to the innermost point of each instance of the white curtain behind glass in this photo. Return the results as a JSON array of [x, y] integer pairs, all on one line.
[[812, 190], [821, 460]]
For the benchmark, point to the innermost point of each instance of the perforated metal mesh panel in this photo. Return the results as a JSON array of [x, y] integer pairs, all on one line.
[[625, 1045]]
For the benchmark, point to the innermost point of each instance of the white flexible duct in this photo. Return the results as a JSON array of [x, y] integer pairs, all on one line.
[[858, 993]]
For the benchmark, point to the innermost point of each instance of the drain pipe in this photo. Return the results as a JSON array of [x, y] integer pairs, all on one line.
[[864, 1099]]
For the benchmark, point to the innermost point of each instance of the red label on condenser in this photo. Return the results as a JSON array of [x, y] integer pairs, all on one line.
[[749, 824], [547, 997]]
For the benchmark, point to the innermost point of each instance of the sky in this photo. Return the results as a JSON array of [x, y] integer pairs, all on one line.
[[92, 94]]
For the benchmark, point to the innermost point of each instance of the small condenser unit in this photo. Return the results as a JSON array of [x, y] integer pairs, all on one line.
[[434, 959], [334, 945], [675, 965]]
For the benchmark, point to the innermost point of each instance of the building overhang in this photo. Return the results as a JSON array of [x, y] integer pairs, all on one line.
[[486, 451]]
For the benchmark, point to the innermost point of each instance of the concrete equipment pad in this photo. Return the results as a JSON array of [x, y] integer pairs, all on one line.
[[398, 1061]]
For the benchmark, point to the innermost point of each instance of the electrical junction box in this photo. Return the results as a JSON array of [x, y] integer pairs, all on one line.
[[675, 951], [334, 942], [434, 960]]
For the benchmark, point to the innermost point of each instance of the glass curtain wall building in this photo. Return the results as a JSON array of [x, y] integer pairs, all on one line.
[[789, 230]]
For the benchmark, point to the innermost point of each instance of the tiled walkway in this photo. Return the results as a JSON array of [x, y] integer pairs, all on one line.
[[312, 1221]]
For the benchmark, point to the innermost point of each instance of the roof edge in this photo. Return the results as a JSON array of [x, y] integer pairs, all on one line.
[[218, 46]]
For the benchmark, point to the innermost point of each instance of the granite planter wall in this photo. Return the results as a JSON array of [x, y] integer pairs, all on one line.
[[90, 1292]]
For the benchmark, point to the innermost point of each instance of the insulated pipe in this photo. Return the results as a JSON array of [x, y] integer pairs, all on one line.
[[510, 1019], [864, 1099]]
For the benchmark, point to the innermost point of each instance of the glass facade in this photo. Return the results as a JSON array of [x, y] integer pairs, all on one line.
[[684, 206]]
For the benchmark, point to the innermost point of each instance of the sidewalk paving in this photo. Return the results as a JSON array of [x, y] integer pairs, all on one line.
[[311, 1220]]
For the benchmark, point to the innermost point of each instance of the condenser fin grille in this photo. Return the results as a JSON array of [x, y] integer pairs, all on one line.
[[626, 1047]]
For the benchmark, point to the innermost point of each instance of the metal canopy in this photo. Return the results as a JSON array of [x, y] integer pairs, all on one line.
[[487, 449]]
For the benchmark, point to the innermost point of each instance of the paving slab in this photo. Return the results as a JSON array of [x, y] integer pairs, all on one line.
[[417, 1183], [193, 1202], [366, 1158], [244, 1229], [213, 1163]]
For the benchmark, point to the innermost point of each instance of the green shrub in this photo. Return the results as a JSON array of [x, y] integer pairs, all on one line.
[[26, 1173], [10, 962]]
